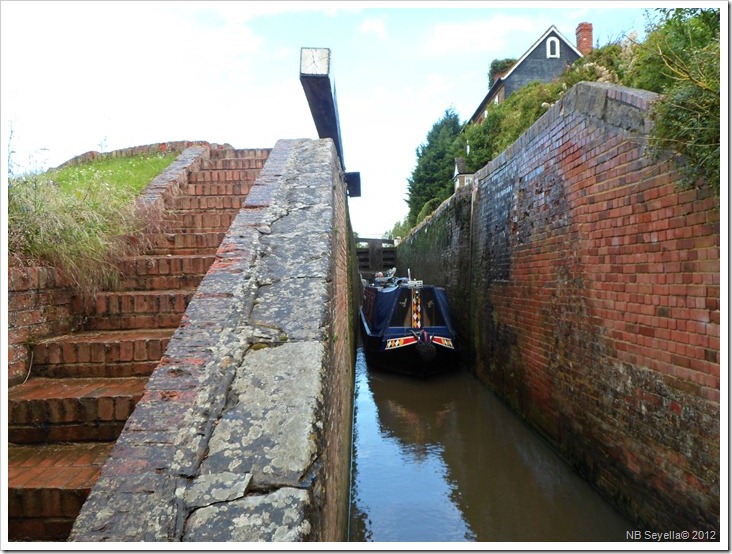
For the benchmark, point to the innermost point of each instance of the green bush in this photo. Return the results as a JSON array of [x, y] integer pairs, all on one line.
[[680, 60], [499, 66], [429, 207]]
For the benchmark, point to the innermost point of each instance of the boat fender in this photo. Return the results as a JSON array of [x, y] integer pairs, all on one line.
[[425, 348]]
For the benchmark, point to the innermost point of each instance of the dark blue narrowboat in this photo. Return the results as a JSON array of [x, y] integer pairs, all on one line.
[[406, 326]]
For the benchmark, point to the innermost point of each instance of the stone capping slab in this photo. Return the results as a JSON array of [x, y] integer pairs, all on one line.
[[238, 395], [276, 517], [212, 488]]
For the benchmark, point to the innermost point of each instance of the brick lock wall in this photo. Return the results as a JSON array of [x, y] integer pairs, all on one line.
[[342, 353], [594, 305]]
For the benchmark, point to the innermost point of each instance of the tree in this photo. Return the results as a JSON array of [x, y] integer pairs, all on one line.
[[432, 176], [477, 142], [400, 230]]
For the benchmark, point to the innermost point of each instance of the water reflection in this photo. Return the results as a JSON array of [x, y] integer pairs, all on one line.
[[442, 459]]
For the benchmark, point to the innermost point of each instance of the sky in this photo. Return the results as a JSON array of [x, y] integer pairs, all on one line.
[[81, 76]]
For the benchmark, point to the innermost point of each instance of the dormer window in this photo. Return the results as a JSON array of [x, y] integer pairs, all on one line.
[[552, 47]]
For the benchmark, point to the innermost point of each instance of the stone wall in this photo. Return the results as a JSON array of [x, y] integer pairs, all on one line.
[[243, 433], [593, 302], [40, 299]]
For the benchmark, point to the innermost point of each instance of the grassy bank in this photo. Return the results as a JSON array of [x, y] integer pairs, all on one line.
[[80, 218]]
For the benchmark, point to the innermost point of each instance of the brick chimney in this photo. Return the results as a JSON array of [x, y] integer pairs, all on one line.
[[584, 38]]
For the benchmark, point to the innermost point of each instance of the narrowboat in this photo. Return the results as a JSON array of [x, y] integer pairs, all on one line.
[[406, 326]]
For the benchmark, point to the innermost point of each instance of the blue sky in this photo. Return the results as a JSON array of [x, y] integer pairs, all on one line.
[[80, 76]]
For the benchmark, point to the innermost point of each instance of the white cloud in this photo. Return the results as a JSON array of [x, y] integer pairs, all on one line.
[[374, 26]]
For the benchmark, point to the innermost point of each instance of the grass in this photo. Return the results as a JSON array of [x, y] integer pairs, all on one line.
[[81, 219], [123, 174]]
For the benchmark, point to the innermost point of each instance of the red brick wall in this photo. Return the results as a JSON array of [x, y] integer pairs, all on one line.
[[599, 308], [594, 303], [344, 295], [170, 146], [39, 305]]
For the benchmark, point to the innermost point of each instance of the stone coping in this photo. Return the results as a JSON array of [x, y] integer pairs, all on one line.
[[226, 442]]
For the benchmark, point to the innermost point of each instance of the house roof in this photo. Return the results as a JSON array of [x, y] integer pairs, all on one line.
[[494, 88]]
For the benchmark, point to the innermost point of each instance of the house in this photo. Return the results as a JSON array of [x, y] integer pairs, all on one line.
[[461, 177], [544, 61]]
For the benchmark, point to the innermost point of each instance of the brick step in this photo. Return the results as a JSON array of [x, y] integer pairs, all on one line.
[[231, 153], [47, 485], [234, 163], [184, 244], [210, 220], [161, 282], [162, 251], [235, 188], [223, 176], [209, 203], [71, 410], [131, 322], [101, 353], [150, 267], [135, 307]]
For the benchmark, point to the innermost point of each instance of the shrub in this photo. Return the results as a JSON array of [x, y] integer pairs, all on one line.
[[429, 207], [680, 60]]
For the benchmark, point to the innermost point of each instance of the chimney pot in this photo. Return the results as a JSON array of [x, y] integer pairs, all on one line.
[[584, 38]]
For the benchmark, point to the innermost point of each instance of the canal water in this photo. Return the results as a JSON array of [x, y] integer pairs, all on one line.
[[443, 459]]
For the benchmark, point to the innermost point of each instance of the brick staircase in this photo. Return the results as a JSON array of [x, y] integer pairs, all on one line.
[[64, 419]]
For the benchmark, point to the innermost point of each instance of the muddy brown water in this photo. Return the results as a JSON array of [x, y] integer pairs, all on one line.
[[443, 459]]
